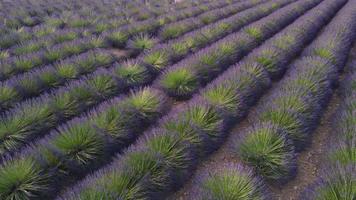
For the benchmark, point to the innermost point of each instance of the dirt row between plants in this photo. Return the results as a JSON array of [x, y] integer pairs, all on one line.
[[310, 161]]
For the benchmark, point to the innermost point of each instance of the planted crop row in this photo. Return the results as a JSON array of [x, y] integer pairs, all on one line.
[[337, 179], [11, 93], [116, 37], [265, 144], [62, 134], [167, 54], [162, 160], [62, 157], [55, 37], [291, 114], [176, 29], [68, 102], [185, 78], [80, 18], [106, 25], [40, 80], [52, 24], [31, 13], [114, 24]]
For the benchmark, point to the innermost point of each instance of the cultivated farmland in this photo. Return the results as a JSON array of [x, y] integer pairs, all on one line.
[[188, 100]]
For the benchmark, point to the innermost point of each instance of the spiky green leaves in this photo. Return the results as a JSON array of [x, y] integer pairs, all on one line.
[[68, 36], [149, 168], [4, 54], [22, 180], [80, 143], [28, 48], [141, 42], [325, 53], [6, 95], [230, 183], [345, 154], [158, 60], [114, 122], [206, 118], [67, 70], [254, 32], [104, 85], [180, 49], [290, 121], [338, 183], [15, 130], [172, 31], [223, 96], [118, 39], [176, 154], [179, 83], [186, 131], [268, 151], [115, 185], [133, 73], [270, 59], [144, 104]]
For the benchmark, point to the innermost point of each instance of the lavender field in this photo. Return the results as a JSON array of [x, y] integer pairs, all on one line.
[[185, 100]]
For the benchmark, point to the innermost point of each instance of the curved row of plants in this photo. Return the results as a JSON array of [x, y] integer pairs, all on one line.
[[337, 179], [106, 15], [42, 16], [116, 37], [70, 19], [135, 72], [162, 160], [54, 36], [176, 29], [48, 157], [170, 53], [40, 80], [284, 124], [184, 79], [39, 115]]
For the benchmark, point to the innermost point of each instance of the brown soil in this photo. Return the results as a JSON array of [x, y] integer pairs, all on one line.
[[220, 157], [310, 160], [119, 53]]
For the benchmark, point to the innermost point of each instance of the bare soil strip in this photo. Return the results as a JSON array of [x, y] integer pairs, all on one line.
[[310, 160]]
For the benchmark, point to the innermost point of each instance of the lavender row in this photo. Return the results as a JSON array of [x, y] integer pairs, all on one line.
[[176, 29], [100, 26], [185, 78], [41, 80], [337, 177], [35, 12], [86, 29], [167, 54], [106, 25], [110, 83], [108, 10], [61, 158], [291, 114], [265, 144], [11, 92], [117, 38], [50, 24], [164, 159]]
